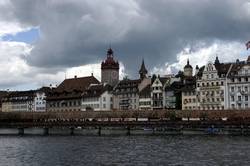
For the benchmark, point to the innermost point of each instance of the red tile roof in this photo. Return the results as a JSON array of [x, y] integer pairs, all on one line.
[[78, 84]]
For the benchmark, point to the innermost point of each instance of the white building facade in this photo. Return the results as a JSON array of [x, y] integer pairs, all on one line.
[[238, 86]]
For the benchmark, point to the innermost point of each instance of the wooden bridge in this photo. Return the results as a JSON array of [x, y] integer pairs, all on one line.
[[168, 120], [124, 115]]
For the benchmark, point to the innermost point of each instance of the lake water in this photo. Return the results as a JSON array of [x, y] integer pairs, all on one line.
[[124, 150]]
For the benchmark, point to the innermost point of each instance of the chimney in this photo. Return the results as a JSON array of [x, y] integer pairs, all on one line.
[[92, 74], [75, 76]]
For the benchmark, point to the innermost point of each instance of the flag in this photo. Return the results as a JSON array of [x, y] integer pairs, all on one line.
[[248, 45]]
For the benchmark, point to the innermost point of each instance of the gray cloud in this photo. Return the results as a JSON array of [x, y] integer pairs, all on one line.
[[78, 32]]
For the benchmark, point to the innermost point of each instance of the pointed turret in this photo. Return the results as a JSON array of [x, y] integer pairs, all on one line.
[[188, 69], [216, 62], [143, 71]]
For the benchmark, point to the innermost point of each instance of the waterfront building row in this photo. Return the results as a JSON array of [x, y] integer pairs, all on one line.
[[214, 86]]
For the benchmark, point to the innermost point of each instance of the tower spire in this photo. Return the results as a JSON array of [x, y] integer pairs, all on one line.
[[143, 71]]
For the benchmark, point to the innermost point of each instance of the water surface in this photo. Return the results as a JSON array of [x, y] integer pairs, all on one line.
[[124, 150]]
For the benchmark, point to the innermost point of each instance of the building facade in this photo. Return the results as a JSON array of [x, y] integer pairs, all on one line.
[[25, 101], [157, 92], [126, 95], [211, 86], [97, 98], [68, 95], [238, 85]]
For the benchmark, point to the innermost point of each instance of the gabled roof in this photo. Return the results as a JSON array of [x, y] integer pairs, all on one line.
[[77, 84]]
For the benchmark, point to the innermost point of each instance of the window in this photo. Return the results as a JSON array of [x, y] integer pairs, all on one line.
[[232, 98], [198, 85], [232, 79], [239, 89], [217, 83], [212, 76], [246, 89], [239, 79], [232, 89], [104, 105], [221, 82], [239, 98], [212, 83], [207, 84], [246, 98], [246, 79], [232, 105]]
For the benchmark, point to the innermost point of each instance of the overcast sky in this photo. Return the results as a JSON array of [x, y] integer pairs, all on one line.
[[44, 41]]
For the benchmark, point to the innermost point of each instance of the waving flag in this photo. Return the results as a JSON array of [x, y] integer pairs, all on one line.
[[248, 45]]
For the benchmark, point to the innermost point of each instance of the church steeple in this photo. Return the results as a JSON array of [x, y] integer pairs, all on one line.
[[143, 71]]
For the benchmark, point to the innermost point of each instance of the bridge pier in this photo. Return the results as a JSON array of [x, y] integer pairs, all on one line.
[[242, 129], [72, 130], [99, 131], [128, 130], [45, 131], [20, 131]]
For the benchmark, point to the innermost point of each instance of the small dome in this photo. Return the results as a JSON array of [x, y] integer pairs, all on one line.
[[188, 65]]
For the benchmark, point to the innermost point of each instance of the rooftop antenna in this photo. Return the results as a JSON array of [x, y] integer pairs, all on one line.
[[92, 70]]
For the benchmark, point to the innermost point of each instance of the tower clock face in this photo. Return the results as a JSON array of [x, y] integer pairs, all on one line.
[[113, 74]]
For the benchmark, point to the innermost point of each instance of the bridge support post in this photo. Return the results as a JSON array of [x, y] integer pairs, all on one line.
[[128, 130], [242, 129], [99, 131], [45, 131], [20, 131], [72, 130]]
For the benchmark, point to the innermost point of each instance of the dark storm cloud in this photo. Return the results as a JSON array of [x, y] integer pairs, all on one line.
[[79, 32]]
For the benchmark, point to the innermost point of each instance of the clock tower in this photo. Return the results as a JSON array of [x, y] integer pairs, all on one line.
[[110, 69]]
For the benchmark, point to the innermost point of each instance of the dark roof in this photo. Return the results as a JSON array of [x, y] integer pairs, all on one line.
[[163, 80], [19, 95], [236, 67], [199, 74], [222, 68], [96, 90], [127, 84], [71, 88], [65, 95], [77, 84], [44, 89]]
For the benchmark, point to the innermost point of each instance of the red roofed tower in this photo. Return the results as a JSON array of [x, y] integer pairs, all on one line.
[[110, 69]]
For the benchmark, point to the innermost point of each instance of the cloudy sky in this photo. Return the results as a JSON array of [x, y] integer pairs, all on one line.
[[44, 41]]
